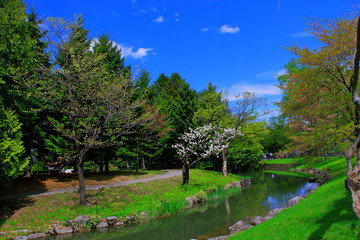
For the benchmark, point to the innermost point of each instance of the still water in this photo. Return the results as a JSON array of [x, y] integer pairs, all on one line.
[[268, 191]]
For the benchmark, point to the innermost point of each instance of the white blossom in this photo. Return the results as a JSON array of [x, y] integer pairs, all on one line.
[[204, 141]]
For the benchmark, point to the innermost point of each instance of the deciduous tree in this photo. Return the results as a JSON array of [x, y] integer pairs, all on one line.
[[97, 107], [200, 143], [318, 93]]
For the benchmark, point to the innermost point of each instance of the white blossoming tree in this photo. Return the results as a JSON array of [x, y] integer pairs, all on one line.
[[200, 143]]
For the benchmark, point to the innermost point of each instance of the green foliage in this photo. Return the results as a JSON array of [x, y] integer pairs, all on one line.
[[113, 60], [276, 140], [11, 146], [318, 100], [177, 103], [22, 60], [246, 151], [212, 109]]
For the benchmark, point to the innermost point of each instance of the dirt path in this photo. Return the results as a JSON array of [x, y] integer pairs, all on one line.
[[166, 174]]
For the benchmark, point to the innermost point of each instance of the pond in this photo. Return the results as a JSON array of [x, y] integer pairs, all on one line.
[[268, 191]]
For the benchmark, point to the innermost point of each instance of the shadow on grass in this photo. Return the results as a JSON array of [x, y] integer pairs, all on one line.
[[22, 186], [335, 215], [10, 207], [25, 186], [99, 176]]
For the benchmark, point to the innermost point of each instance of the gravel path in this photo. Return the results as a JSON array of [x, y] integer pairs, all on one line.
[[166, 174]]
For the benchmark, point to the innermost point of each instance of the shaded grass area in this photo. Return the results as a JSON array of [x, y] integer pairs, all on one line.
[[155, 198], [325, 214], [40, 184]]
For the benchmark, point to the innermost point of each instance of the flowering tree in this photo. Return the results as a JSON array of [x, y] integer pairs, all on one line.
[[200, 143]]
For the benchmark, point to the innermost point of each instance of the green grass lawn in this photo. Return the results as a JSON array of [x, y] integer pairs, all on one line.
[[324, 214], [284, 161], [156, 198]]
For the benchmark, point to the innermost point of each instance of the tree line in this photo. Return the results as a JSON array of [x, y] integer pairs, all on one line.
[[66, 96]]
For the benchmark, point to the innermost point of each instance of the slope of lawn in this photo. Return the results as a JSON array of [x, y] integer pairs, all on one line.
[[325, 214]]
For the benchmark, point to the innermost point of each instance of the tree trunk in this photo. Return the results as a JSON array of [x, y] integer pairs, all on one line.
[[106, 161], [143, 163], [82, 192], [353, 149], [101, 165], [185, 172], [137, 164], [224, 168]]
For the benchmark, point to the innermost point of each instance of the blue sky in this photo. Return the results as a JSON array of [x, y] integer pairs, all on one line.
[[238, 45]]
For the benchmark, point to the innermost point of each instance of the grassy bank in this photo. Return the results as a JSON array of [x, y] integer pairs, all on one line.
[[325, 214], [156, 198]]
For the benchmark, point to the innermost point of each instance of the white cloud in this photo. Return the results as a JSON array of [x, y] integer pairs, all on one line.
[[159, 19], [300, 34], [128, 51], [281, 72], [228, 29], [258, 89], [205, 29], [177, 17], [271, 74], [267, 74]]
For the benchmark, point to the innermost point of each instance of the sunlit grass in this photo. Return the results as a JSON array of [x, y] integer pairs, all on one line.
[[284, 161]]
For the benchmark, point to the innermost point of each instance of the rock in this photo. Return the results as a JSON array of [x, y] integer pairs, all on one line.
[[236, 184], [257, 220], [37, 236], [119, 224], [102, 224], [312, 179], [64, 230], [21, 238], [239, 226], [273, 212], [229, 185], [131, 219], [192, 201], [79, 222], [112, 220], [294, 201], [52, 232], [22, 230], [220, 238], [245, 182]]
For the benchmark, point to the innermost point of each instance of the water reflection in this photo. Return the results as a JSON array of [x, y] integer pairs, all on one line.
[[268, 191]]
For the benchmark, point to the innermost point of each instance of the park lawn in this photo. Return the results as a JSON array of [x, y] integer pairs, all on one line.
[[157, 198], [284, 161], [325, 214]]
